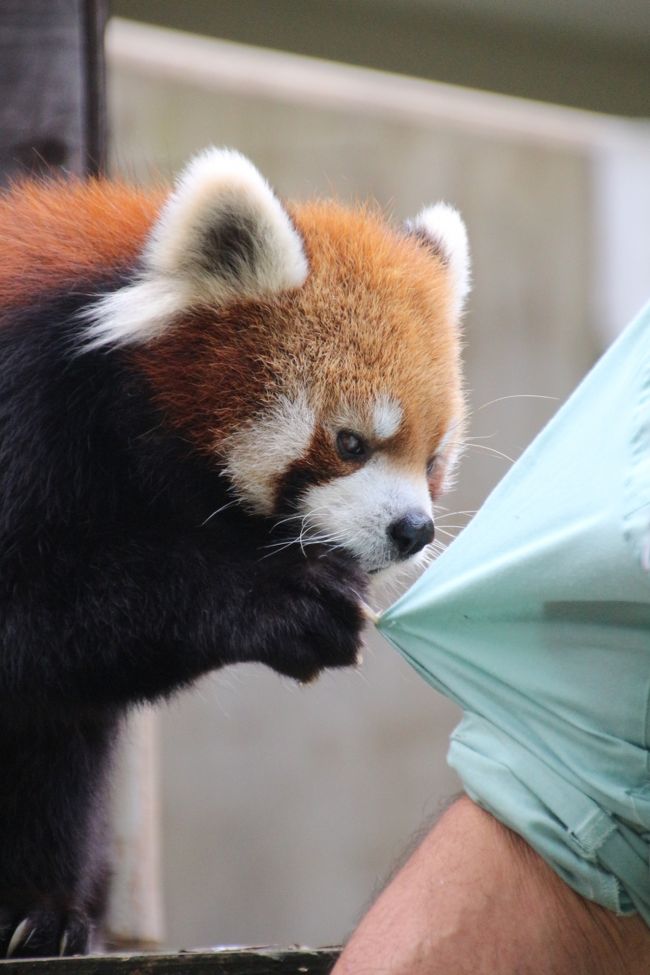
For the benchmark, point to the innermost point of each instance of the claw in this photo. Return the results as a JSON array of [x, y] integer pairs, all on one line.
[[18, 938], [76, 935]]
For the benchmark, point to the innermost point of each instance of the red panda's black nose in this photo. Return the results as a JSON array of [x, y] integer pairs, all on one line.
[[411, 533]]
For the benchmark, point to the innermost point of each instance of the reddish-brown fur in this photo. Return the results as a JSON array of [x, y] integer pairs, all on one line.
[[372, 317], [63, 233]]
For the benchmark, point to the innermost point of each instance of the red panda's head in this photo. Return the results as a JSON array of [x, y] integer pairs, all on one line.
[[311, 350]]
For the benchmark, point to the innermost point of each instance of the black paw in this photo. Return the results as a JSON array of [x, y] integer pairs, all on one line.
[[314, 614], [43, 933]]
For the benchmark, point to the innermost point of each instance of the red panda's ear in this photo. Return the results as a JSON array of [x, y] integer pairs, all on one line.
[[442, 229], [224, 228], [222, 235]]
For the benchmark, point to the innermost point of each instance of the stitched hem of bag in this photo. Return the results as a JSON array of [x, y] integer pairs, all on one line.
[[602, 887]]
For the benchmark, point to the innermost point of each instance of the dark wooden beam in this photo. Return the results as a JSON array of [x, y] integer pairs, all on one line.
[[94, 14], [259, 961], [52, 113]]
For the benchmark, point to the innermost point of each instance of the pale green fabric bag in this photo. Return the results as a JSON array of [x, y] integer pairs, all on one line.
[[536, 620]]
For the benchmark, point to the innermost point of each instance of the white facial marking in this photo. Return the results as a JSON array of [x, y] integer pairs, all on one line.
[[444, 227], [387, 417], [222, 235], [450, 450], [357, 509], [265, 447]]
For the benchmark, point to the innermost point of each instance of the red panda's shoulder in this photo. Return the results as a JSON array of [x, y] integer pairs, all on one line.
[[55, 233]]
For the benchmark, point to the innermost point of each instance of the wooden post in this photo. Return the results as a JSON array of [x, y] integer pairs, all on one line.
[[52, 113], [135, 916]]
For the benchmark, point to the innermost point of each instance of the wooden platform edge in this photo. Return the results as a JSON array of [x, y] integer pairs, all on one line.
[[249, 961]]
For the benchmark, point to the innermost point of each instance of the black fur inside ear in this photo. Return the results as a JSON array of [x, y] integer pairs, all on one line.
[[226, 233], [432, 244], [230, 246]]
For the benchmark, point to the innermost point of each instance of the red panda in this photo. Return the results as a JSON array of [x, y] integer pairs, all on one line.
[[219, 415]]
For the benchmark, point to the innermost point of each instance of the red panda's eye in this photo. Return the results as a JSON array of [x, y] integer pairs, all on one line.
[[431, 465], [351, 446]]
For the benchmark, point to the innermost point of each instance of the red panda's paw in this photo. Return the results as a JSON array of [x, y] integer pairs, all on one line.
[[319, 616], [43, 933]]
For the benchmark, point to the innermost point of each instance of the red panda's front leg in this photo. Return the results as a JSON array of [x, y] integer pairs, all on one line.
[[309, 613], [84, 638], [42, 932], [53, 855], [145, 617]]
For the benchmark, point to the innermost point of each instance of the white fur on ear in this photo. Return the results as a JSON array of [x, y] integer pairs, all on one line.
[[442, 228], [225, 228], [222, 235]]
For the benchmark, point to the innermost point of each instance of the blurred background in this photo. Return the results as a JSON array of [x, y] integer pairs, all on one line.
[[283, 808]]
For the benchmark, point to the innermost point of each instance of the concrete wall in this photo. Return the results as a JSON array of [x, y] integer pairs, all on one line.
[[283, 807], [591, 54]]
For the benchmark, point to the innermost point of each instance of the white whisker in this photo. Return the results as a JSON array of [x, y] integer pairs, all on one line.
[[500, 399], [452, 514], [218, 511], [490, 450]]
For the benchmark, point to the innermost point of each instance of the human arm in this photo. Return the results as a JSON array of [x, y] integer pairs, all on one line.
[[475, 898]]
